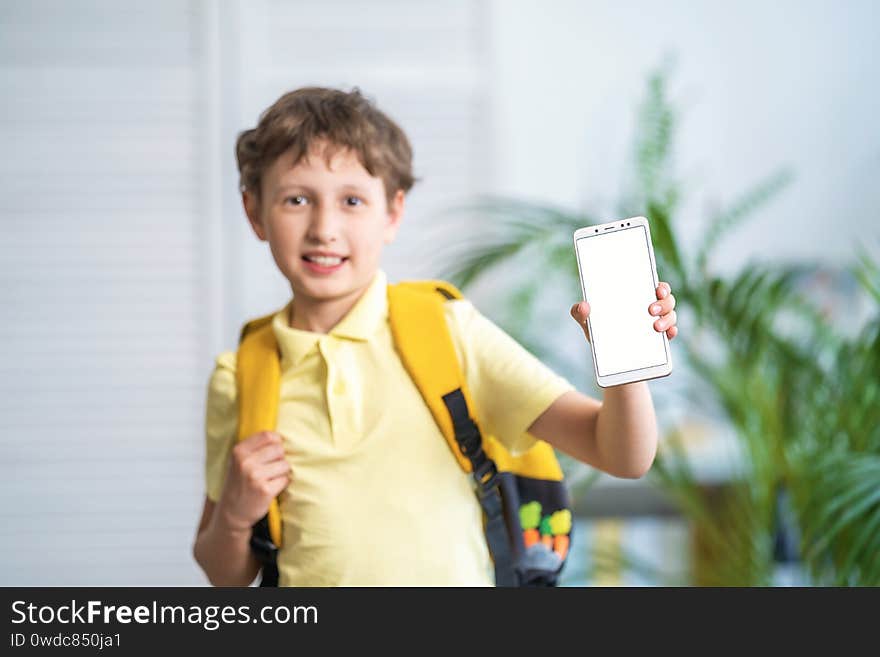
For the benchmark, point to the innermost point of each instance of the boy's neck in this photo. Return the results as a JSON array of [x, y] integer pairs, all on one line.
[[321, 315]]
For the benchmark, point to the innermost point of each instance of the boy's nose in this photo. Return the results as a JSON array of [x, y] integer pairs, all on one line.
[[322, 227]]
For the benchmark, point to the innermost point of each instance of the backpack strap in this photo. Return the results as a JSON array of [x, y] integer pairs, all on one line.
[[429, 368], [258, 381], [421, 336]]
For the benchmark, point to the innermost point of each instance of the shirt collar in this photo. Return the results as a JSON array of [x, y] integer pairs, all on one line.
[[360, 323]]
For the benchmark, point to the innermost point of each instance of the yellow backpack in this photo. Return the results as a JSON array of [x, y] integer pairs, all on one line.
[[526, 509]]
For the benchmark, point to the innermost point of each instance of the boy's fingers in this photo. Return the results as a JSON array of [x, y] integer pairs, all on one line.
[[666, 321], [259, 440], [663, 290], [672, 332], [662, 307], [278, 484], [251, 444], [273, 469], [267, 453]]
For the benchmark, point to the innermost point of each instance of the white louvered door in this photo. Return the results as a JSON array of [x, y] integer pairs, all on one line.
[[103, 297], [127, 263]]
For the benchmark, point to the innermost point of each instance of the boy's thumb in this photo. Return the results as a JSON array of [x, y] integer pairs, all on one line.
[[579, 312]]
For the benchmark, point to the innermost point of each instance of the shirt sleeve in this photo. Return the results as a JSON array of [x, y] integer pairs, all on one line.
[[508, 384], [221, 423]]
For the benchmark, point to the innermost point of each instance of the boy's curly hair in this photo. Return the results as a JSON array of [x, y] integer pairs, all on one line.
[[346, 120]]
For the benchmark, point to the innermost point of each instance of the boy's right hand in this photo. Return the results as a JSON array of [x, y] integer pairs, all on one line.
[[258, 472]]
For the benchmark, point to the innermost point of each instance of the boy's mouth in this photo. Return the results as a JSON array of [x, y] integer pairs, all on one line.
[[323, 263]]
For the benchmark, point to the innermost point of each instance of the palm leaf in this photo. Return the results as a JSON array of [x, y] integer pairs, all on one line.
[[665, 244], [741, 210], [656, 123], [839, 507], [867, 272]]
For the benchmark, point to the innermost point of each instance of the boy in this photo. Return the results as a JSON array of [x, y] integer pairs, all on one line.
[[370, 491]]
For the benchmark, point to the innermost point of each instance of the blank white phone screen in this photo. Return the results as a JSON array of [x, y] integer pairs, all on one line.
[[619, 286]]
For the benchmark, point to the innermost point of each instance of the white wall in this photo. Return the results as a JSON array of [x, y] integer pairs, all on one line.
[[763, 85]]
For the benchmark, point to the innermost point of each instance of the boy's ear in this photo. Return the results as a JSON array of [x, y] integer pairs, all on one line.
[[395, 215], [252, 209]]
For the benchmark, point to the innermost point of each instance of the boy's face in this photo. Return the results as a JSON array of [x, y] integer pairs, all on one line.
[[326, 225]]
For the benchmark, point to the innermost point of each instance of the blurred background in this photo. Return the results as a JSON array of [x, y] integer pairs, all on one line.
[[745, 132]]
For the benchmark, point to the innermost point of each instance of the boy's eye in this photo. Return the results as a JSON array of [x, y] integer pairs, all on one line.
[[353, 201], [296, 200]]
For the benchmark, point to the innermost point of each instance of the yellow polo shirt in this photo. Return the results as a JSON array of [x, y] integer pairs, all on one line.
[[376, 497]]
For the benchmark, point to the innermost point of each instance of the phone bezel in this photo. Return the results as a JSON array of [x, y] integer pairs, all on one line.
[[645, 374]]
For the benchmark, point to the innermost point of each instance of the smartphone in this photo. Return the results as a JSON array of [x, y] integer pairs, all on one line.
[[619, 281]]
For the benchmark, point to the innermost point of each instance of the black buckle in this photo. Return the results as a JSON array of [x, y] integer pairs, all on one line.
[[488, 489], [469, 439], [485, 468], [467, 433]]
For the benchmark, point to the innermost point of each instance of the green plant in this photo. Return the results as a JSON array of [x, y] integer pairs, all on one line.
[[802, 397]]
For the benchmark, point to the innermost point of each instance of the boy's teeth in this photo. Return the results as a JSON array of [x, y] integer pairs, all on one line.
[[324, 260]]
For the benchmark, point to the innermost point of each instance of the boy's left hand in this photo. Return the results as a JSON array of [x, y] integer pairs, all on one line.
[[663, 309]]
